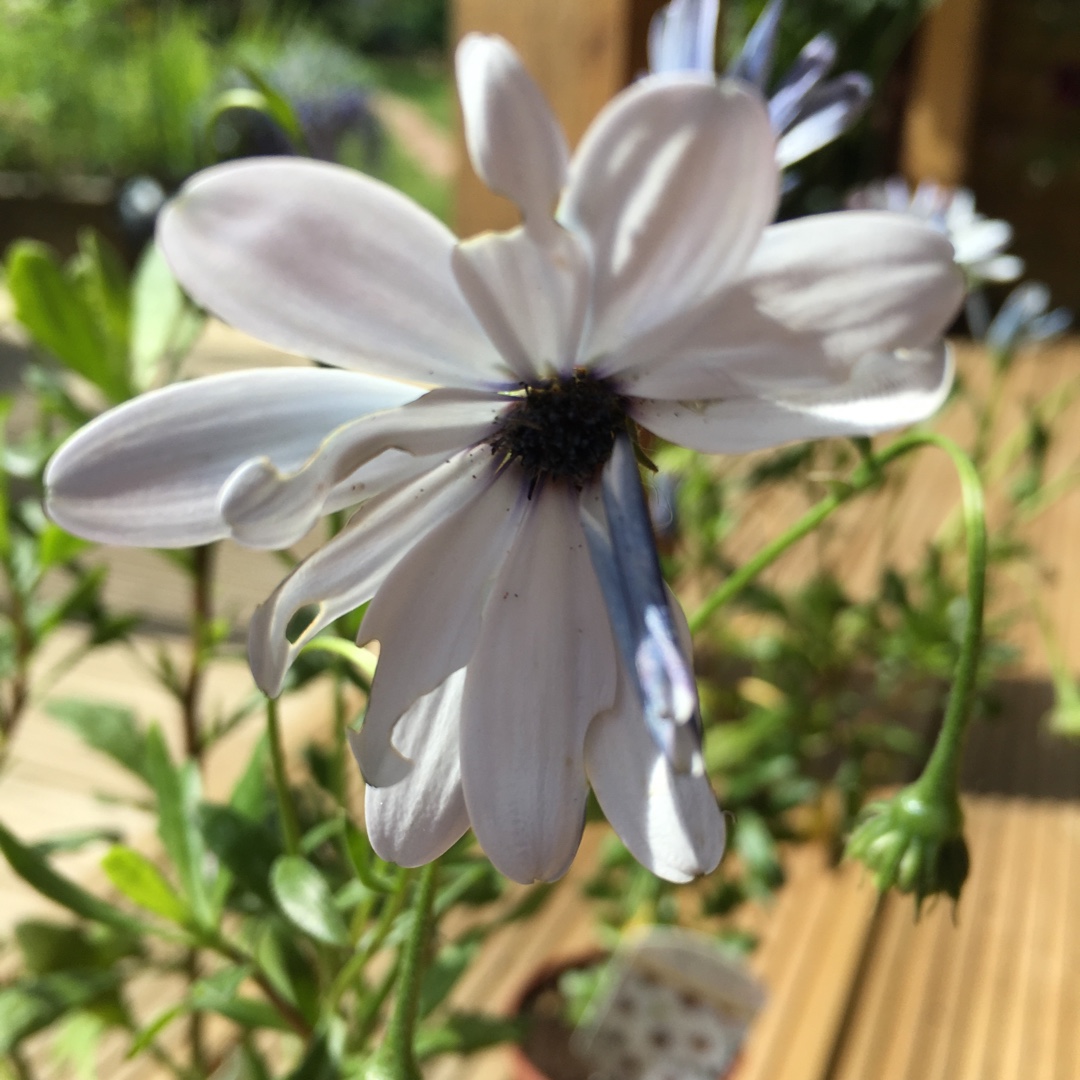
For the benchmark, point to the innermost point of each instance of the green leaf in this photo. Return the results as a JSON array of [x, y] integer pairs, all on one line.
[[30, 1005], [318, 1063], [219, 993], [251, 797], [56, 315], [443, 973], [365, 861], [245, 848], [145, 1036], [74, 1046], [111, 729], [178, 790], [34, 870], [47, 947], [304, 895], [143, 884], [103, 278], [465, 1033], [56, 547], [159, 308]]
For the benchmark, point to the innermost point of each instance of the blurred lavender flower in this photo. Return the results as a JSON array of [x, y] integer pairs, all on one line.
[[980, 242], [807, 112], [1024, 319]]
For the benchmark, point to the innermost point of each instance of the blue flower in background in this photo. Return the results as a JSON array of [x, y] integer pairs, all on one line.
[[807, 110], [1026, 319]]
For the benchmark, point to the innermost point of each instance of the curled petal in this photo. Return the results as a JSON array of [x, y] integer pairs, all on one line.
[[530, 294], [346, 571], [542, 668], [149, 473], [268, 507], [326, 262], [415, 820], [884, 391], [515, 143], [426, 614], [671, 187]]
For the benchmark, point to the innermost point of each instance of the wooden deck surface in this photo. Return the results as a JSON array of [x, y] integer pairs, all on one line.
[[857, 990]]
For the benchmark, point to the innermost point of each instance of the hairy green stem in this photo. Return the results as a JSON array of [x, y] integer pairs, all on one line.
[[398, 1050], [290, 827]]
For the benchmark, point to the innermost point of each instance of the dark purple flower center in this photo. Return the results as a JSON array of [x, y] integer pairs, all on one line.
[[562, 428]]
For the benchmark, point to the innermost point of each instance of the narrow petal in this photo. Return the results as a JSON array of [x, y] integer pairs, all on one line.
[[346, 572], [515, 143], [426, 614], [827, 113], [754, 63], [884, 391], [542, 669], [530, 295], [819, 294], [623, 553], [682, 37], [415, 820], [670, 821], [324, 261], [1003, 268], [149, 473], [810, 67], [671, 186], [266, 506]]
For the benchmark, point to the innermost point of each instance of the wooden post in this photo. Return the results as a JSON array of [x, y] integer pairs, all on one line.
[[941, 111], [581, 52]]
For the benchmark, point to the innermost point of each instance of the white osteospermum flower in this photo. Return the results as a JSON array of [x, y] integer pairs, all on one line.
[[528, 647], [980, 242]]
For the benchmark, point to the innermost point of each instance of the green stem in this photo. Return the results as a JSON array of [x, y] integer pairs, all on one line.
[[290, 827], [943, 768], [397, 1049]]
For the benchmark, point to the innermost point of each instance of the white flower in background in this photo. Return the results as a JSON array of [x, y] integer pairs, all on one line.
[[807, 111], [528, 647], [980, 242]]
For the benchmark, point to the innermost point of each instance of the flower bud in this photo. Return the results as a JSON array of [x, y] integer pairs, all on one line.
[[913, 842]]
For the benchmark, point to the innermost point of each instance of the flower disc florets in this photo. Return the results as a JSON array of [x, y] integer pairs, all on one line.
[[562, 428]]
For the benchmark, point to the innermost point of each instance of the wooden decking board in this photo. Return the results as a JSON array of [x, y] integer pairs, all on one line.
[[1066, 1059]]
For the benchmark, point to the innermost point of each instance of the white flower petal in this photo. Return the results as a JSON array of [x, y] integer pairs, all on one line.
[[415, 820], [1002, 268], [515, 143], [324, 261], [542, 669], [149, 472], [266, 506], [682, 37], [346, 571], [670, 821], [981, 239], [426, 614], [811, 66], [828, 112], [530, 294], [884, 391], [672, 186], [819, 294]]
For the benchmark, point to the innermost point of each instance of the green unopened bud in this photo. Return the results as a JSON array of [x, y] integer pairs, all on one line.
[[913, 842]]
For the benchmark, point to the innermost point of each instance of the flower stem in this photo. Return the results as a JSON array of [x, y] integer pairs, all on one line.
[[202, 561], [290, 827], [397, 1057], [944, 763]]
